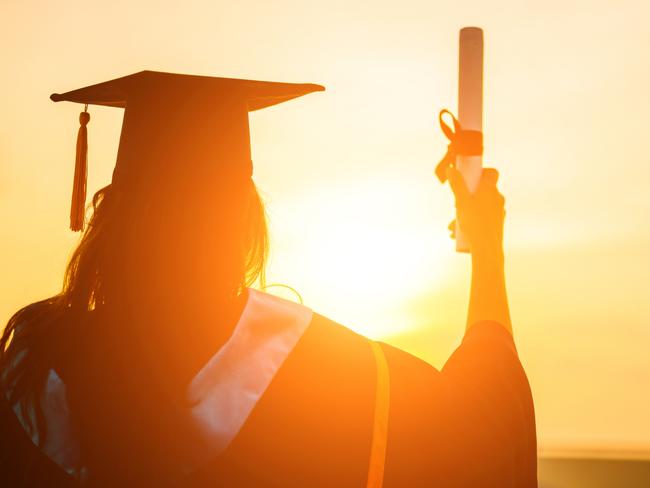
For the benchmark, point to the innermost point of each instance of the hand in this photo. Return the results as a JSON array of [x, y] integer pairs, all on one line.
[[480, 215]]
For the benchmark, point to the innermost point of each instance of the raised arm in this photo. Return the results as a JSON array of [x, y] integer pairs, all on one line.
[[491, 406], [480, 216]]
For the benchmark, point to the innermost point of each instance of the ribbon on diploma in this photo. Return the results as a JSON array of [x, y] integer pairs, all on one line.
[[461, 143]]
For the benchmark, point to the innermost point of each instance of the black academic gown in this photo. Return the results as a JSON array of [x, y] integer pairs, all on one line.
[[469, 425]]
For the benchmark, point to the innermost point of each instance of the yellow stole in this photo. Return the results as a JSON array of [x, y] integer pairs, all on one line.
[[380, 424]]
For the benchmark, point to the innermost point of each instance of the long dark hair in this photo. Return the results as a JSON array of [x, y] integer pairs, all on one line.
[[194, 243]]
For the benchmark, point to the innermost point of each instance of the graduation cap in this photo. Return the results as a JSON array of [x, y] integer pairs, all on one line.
[[172, 122]]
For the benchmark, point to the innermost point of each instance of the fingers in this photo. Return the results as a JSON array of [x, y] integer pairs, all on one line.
[[458, 185], [452, 229], [489, 178], [488, 186]]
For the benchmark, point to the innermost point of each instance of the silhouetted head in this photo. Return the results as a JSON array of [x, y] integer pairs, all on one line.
[[182, 214]]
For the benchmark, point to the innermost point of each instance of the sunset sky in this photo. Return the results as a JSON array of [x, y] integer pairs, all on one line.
[[358, 221]]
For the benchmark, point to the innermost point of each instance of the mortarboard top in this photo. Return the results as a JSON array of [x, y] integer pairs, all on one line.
[[116, 93], [177, 125]]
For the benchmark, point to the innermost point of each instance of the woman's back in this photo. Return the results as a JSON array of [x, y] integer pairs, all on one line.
[[471, 425]]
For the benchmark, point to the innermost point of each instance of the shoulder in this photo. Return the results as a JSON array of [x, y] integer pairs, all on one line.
[[332, 334], [334, 350], [319, 336], [343, 341]]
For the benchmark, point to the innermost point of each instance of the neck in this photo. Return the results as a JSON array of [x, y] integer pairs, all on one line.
[[178, 337]]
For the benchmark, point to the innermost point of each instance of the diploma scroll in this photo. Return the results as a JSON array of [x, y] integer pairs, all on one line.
[[470, 109]]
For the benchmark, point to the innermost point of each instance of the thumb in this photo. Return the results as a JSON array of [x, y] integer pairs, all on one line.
[[489, 178], [457, 183]]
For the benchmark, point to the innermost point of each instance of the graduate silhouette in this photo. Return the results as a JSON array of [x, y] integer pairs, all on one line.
[[157, 365]]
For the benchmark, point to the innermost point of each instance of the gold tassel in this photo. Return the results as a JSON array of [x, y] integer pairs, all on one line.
[[78, 208]]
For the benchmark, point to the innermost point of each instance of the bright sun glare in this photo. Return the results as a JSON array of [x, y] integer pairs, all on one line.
[[355, 248]]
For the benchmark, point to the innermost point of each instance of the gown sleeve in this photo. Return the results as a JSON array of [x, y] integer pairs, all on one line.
[[492, 441], [470, 425]]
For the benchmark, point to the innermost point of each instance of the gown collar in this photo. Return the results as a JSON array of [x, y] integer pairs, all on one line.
[[225, 391]]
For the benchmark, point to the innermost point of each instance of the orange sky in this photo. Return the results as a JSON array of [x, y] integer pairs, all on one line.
[[358, 221]]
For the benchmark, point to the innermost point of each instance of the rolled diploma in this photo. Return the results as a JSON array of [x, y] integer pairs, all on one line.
[[470, 109]]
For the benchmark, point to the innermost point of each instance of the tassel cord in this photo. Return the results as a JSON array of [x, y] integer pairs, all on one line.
[[78, 205]]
